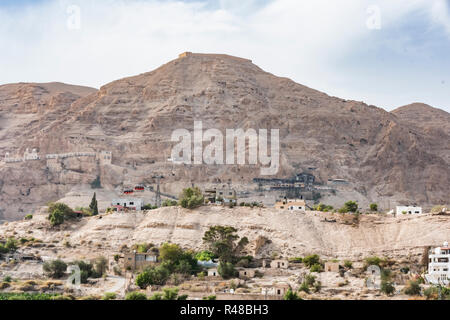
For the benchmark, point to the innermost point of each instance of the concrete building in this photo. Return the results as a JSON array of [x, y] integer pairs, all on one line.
[[30, 155], [133, 204], [245, 273], [105, 157], [400, 210], [291, 205], [277, 289], [138, 261], [225, 196], [213, 272], [279, 264], [439, 265]]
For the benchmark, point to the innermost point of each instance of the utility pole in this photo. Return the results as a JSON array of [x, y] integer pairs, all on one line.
[[158, 190]]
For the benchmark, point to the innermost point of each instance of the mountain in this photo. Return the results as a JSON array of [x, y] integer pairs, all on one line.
[[385, 157]]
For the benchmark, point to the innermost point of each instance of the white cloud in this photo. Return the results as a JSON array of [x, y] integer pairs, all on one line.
[[304, 40]]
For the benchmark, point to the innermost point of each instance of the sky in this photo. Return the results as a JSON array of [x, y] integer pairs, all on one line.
[[386, 53]]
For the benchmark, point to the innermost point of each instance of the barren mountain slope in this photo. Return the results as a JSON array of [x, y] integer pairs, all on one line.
[[433, 123], [26, 111], [376, 151]]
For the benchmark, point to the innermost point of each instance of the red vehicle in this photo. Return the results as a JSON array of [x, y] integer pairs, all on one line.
[[128, 191], [139, 188]]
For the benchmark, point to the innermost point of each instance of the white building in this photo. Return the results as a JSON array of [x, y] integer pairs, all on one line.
[[408, 210], [135, 204], [439, 265], [31, 155], [291, 205]]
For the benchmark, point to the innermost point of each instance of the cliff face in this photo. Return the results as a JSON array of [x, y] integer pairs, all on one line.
[[383, 155]]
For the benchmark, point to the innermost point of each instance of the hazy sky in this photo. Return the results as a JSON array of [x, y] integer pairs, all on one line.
[[387, 52]]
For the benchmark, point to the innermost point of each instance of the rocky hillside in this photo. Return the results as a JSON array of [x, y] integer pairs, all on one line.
[[385, 156], [269, 231]]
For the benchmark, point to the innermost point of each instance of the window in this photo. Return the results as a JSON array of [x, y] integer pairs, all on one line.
[[131, 203]]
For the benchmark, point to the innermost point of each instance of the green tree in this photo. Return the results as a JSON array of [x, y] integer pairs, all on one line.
[[349, 206], [58, 212], [191, 198], [94, 205], [222, 242], [373, 207], [205, 255], [55, 269], [56, 217], [153, 276], [226, 270], [169, 252]]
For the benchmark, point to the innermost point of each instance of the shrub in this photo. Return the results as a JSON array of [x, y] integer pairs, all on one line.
[[191, 198], [309, 280], [109, 296], [153, 276], [290, 295], [100, 266], [149, 207], [323, 207], [387, 287], [7, 279], [55, 269], [156, 296], [413, 288], [87, 270], [348, 264], [432, 293], [304, 287], [170, 294], [316, 268], [135, 296], [373, 207], [311, 260], [296, 260], [28, 217], [374, 261], [210, 298], [169, 203], [349, 206]]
